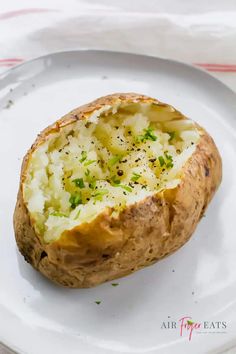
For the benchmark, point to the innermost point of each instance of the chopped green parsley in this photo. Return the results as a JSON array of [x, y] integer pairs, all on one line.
[[161, 160], [127, 188], [89, 162], [99, 194], [87, 172], [135, 177], [148, 135], [172, 135], [57, 213], [75, 200], [114, 160], [77, 215], [115, 181], [83, 156], [79, 182]]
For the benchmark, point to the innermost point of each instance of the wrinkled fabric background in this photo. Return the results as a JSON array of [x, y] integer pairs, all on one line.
[[198, 32]]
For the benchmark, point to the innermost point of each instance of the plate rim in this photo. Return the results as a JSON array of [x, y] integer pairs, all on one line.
[[114, 52], [72, 52]]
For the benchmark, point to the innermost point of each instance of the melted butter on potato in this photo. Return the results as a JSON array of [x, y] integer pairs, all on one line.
[[115, 157]]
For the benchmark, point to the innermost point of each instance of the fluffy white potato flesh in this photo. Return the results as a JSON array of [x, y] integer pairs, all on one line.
[[116, 157]]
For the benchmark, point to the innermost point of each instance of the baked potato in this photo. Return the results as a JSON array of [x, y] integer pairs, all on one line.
[[113, 186]]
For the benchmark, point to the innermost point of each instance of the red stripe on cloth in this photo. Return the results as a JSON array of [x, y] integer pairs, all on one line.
[[10, 14], [218, 67], [219, 70], [11, 60], [223, 68], [9, 64]]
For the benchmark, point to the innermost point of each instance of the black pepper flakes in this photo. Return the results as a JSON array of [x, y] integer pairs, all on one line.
[[9, 104], [120, 173]]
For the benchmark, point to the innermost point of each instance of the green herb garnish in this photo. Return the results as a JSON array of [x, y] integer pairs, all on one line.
[[148, 135], [91, 180], [114, 284], [128, 189], [57, 213], [115, 181], [99, 194], [172, 135], [92, 184], [84, 156], [135, 177], [169, 164], [97, 302], [89, 162], [75, 200], [9, 104], [169, 159], [87, 172], [77, 215], [114, 160], [79, 182], [161, 160]]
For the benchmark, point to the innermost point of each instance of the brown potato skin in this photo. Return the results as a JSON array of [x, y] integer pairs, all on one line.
[[108, 247]]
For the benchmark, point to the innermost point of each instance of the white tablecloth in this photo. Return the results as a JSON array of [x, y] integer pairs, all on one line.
[[200, 32]]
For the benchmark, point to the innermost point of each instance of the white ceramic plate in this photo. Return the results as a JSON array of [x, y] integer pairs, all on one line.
[[198, 281]]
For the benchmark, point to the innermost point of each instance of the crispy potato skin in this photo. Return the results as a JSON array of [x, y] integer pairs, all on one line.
[[108, 247]]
